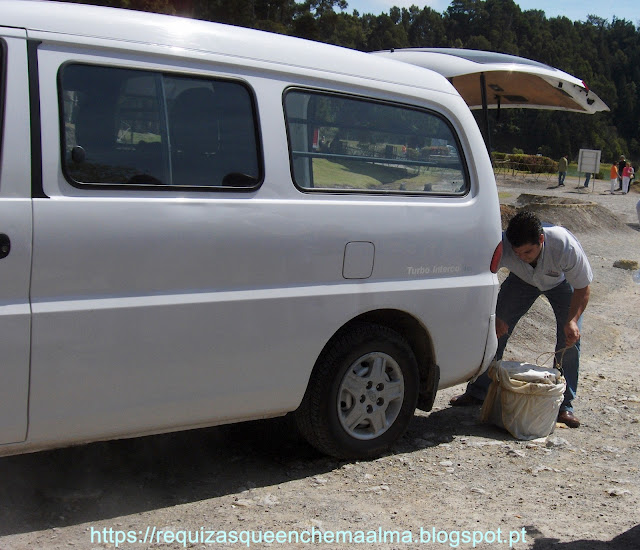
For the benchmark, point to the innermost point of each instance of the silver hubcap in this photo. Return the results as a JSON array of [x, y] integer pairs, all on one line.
[[370, 396]]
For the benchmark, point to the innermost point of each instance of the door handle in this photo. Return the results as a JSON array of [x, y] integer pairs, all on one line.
[[5, 245]]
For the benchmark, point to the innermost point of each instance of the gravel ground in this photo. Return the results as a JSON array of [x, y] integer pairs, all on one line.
[[451, 479]]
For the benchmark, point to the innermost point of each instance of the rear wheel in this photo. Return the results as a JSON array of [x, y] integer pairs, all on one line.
[[362, 393]]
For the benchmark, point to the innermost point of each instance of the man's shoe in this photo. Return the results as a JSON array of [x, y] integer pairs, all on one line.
[[568, 418], [464, 400]]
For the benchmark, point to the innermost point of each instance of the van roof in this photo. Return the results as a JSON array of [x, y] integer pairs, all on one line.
[[182, 35]]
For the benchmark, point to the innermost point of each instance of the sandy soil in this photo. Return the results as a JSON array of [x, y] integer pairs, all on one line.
[[575, 490]]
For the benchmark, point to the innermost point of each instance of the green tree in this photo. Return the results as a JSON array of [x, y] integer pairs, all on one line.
[[426, 29]]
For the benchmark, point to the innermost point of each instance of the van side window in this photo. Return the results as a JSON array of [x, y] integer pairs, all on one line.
[[140, 128], [342, 143]]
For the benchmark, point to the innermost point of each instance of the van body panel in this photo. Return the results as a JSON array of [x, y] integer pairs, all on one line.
[[169, 315], [163, 308], [217, 361], [15, 224]]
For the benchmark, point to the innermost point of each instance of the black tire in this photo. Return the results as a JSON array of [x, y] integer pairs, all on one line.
[[362, 393]]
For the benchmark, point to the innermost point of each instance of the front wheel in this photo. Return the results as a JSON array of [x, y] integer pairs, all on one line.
[[362, 393]]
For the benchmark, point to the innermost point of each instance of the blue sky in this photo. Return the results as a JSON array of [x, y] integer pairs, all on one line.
[[576, 10]]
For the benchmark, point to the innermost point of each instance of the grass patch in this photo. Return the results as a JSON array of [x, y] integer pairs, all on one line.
[[328, 174], [346, 174]]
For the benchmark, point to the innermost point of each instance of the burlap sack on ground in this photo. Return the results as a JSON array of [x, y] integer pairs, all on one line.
[[524, 399]]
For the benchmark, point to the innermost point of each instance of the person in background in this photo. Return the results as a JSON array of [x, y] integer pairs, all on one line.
[[547, 261], [621, 164], [626, 178], [562, 170], [614, 177], [587, 179]]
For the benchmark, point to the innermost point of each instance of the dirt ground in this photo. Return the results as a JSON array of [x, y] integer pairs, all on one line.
[[450, 482]]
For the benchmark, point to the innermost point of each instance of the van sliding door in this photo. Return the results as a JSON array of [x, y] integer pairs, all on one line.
[[15, 236]]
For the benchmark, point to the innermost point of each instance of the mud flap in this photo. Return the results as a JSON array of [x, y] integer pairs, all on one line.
[[429, 389]]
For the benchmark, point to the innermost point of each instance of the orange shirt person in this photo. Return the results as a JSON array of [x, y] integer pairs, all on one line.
[[614, 177]]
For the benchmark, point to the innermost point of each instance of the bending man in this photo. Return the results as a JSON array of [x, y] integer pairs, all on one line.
[[547, 261]]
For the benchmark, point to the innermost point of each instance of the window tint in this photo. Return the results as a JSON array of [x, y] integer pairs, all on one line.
[[129, 127], [345, 144]]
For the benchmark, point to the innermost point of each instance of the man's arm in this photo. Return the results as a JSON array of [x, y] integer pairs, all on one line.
[[578, 304]]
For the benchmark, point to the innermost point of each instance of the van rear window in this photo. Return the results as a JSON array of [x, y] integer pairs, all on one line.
[[348, 144], [140, 128]]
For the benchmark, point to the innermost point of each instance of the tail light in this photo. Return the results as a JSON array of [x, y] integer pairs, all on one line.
[[497, 256]]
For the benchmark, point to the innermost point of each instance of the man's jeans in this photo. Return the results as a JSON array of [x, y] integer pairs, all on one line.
[[561, 176], [514, 300]]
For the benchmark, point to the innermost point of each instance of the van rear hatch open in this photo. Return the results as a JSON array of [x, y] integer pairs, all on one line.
[[507, 81]]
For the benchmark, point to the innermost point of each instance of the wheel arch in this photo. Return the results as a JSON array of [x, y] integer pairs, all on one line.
[[418, 338]]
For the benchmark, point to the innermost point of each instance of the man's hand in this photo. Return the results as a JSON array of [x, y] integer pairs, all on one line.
[[501, 327], [571, 333], [579, 302]]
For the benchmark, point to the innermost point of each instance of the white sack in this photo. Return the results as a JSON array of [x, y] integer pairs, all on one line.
[[524, 399]]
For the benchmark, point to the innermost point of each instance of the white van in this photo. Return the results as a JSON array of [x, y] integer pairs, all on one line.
[[203, 224]]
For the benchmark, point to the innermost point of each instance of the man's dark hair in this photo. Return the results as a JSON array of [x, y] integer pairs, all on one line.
[[524, 228]]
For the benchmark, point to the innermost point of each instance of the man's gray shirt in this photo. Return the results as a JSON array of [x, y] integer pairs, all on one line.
[[562, 257]]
